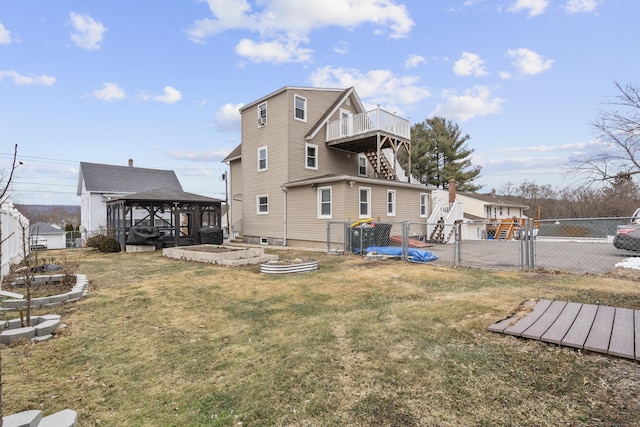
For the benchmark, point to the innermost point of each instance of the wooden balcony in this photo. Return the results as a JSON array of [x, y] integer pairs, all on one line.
[[373, 130]]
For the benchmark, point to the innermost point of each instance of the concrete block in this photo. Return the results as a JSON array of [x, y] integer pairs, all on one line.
[[37, 302], [42, 338], [131, 249], [23, 419], [59, 298], [47, 327], [50, 317], [14, 303], [10, 335], [66, 418]]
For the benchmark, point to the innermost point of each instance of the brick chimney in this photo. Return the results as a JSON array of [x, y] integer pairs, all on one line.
[[130, 163], [452, 190]]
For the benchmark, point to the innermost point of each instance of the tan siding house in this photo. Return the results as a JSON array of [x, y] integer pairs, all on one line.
[[313, 155]]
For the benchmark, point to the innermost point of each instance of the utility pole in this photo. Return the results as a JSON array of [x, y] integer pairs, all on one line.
[[226, 202]]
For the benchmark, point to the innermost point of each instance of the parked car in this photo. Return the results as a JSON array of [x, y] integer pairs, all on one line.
[[38, 242], [627, 237]]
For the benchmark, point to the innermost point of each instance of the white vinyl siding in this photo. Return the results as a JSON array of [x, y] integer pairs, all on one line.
[[365, 202], [391, 203], [325, 208], [262, 205], [311, 156], [424, 205], [262, 114], [300, 108], [362, 165], [262, 159]]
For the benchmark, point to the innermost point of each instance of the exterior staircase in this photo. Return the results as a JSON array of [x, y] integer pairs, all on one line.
[[442, 233], [386, 171]]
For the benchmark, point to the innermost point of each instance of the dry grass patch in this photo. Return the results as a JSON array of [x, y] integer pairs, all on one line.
[[172, 343]]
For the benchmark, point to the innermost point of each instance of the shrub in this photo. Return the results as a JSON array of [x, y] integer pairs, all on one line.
[[109, 244], [103, 243], [94, 241]]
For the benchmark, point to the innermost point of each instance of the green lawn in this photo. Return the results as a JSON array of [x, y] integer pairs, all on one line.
[[161, 342]]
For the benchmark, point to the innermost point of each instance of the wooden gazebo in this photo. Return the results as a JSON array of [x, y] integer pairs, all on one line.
[[177, 215]]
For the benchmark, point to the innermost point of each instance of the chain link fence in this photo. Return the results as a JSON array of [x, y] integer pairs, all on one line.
[[585, 245]]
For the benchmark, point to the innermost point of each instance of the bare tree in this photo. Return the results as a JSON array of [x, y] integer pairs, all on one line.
[[618, 128]]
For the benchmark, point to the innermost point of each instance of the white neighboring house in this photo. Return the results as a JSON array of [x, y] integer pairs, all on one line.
[[98, 183], [50, 236]]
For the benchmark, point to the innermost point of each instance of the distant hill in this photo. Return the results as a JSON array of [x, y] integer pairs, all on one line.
[[60, 215]]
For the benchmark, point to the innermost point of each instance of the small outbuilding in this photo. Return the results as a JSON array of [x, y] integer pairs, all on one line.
[[55, 237], [179, 217]]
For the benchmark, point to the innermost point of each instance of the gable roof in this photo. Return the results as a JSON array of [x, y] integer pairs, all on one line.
[[285, 88], [100, 178], [494, 199], [168, 195], [331, 111], [234, 155], [44, 228]]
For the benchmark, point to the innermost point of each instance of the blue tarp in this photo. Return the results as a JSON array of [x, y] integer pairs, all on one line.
[[416, 255]]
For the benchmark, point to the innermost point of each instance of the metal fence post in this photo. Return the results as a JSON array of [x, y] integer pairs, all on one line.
[[532, 244]]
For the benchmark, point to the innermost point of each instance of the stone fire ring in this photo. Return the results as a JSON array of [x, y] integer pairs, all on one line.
[[289, 266]]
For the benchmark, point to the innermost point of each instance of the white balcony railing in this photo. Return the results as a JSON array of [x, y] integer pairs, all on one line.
[[373, 120]]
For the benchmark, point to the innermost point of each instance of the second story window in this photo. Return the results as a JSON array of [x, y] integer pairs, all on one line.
[[362, 165], [311, 156], [262, 159], [262, 114], [300, 108]]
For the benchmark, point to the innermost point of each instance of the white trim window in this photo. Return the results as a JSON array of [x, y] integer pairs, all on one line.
[[325, 198], [300, 108], [363, 164], [424, 205], [262, 159], [262, 204], [262, 114], [364, 201], [391, 202], [311, 156], [346, 117]]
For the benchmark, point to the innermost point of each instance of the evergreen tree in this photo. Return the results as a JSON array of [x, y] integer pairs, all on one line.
[[439, 152]]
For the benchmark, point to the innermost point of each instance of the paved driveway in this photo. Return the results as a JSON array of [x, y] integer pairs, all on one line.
[[570, 256]]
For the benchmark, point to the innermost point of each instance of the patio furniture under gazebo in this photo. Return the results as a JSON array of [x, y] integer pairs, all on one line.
[[177, 215]]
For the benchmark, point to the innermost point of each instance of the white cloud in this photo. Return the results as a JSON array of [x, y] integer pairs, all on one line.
[[470, 64], [273, 51], [170, 96], [342, 47], [228, 117], [578, 6], [199, 156], [5, 35], [31, 79], [414, 61], [88, 33], [284, 25], [109, 92], [528, 61], [376, 86], [535, 7], [472, 103]]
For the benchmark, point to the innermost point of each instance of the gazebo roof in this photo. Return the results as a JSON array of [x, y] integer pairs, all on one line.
[[167, 195]]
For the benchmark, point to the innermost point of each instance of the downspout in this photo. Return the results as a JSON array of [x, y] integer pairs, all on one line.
[[284, 219]]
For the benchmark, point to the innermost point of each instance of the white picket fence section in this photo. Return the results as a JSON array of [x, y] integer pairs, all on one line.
[[13, 223]]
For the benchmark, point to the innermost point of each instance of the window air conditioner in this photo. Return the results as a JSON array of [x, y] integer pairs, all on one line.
[[262, 121]]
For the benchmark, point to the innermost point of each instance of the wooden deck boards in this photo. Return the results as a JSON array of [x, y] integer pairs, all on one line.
[[603, 329]]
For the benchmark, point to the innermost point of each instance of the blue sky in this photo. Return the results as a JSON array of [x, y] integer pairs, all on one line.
[[161, 82]]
